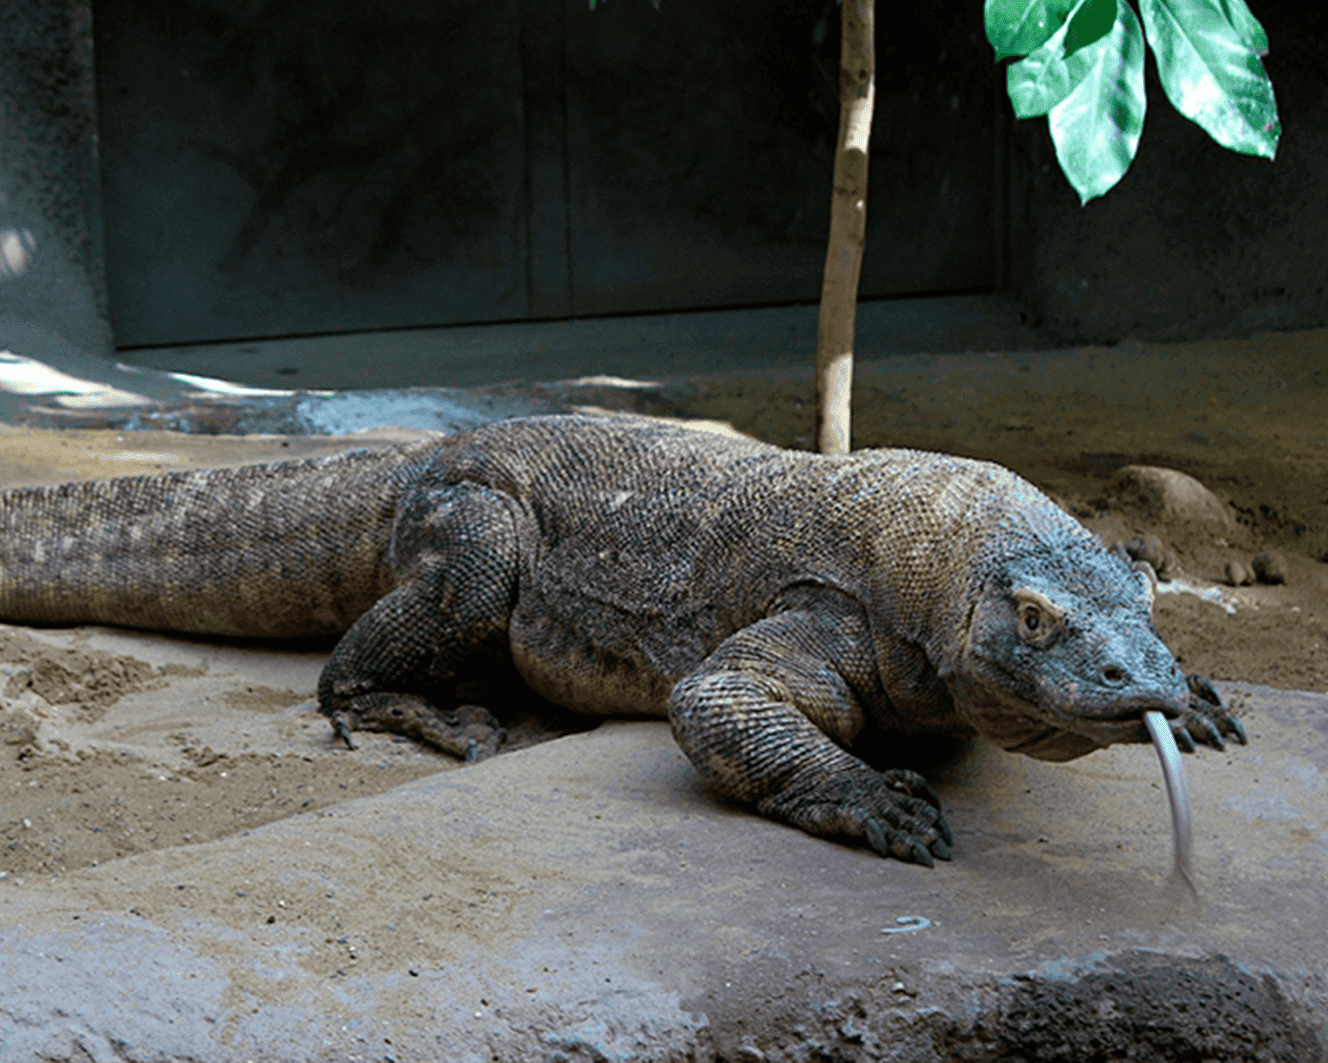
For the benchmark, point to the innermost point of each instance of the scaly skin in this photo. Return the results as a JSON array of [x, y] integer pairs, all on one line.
[[773, 605]]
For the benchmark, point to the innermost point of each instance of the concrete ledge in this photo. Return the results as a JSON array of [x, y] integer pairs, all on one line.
[[586, 900], [670, 344]]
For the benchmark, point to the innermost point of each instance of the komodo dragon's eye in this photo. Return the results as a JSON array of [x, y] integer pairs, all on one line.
[[1039, 618]]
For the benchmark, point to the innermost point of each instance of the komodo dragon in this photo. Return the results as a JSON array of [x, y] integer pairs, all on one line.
[[775, 606]]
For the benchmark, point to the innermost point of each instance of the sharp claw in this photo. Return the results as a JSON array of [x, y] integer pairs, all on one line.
[[876, 837], [912, 849], [943, 829], [1200, 687], [918, 788], [1184, 739], [1237, 730], [343, 732]]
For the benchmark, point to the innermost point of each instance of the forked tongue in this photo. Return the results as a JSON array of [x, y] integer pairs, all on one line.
[[1174, 774]]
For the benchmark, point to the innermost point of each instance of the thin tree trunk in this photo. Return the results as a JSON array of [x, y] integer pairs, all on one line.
[[848, 228]]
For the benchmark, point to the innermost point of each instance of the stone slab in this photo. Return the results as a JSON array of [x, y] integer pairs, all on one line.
[[585, 899]]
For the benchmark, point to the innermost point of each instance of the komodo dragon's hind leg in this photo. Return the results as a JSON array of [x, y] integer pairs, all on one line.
[[764, 718], [454, 549]]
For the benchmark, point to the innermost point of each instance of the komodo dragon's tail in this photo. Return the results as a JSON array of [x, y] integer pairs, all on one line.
[[279, 550]]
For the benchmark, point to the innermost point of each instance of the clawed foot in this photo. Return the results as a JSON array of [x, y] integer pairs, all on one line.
[[468, 731], [896, 811], [910, 827], [1206, 720]]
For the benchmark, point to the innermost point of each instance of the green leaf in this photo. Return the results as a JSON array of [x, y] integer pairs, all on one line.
[[1247, 27], [1211, 72], [1049, 74], [1093, 99], [1096, 128], [1017, 27], [1091, 22]]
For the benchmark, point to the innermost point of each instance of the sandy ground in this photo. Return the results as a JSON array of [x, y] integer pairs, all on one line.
[[114, 743]]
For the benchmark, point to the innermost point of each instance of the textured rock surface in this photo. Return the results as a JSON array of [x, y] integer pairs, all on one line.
[[585, 899], [1172, 497]]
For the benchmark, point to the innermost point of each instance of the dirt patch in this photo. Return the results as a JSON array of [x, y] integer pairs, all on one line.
[[39, 675], [261, 699], [1277, 645], [104, 754], [86, 781]]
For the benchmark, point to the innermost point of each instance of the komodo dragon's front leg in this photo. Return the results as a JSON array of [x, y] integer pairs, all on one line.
[[455, 555], [765, 717]]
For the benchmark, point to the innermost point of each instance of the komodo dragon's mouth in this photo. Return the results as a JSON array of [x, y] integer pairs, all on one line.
[[1128, 720], [1061, 721], [1109, 717], [1073, 735]]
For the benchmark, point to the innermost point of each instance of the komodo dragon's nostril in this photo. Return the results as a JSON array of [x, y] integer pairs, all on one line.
[[1114, 675]]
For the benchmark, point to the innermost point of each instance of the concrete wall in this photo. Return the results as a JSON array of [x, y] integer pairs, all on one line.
[[700, 144], [329, 165], [309, 166], [52, 271], [1195, 240]]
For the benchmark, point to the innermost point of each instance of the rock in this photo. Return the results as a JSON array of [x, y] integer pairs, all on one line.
[[1147, 570], [18, 726], [1150, 549], [1270, 567], [1171, 496], [1239, 574]]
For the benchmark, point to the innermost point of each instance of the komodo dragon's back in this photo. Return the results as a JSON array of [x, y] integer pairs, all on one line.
[[778, 607]]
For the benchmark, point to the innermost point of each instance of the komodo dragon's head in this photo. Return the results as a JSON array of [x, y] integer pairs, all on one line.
[[1062, 657]]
